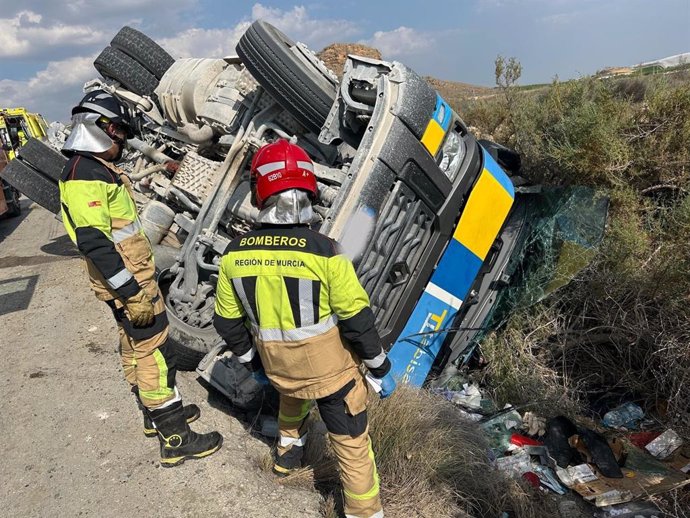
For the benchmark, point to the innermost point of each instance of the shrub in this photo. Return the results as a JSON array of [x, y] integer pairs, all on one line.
[[622, 326]]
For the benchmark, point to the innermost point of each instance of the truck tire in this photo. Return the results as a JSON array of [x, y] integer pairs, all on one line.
[[297, 84], [14, 208], [115, 64], [43, 158], [189, 343], [32, 184], [144, 50]]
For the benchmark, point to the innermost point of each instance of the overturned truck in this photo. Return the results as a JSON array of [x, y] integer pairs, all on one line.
[[424, 210]]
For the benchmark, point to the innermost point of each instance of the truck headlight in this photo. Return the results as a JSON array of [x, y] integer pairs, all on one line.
[[452, 154]]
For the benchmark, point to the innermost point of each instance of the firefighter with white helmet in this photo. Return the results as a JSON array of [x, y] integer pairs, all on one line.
[[290, 307], [100, 217]]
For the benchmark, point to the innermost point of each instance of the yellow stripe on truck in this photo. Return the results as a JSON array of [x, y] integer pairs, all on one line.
[[478, 226], [433, 136]]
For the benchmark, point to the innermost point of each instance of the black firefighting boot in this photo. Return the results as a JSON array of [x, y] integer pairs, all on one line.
[[191, 413], [289, 461], [178, 441]]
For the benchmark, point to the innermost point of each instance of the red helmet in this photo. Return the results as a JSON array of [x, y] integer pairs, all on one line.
[[281, 166]]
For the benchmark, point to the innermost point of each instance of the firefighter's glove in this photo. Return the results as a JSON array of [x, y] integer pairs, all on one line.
[[139, 307], [260, 377], [383, 386]]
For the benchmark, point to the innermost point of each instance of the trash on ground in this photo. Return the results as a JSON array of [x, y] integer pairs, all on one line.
[[522, 440], [515, 465], [580, 474], [609, 469], [598, 452], [470, 399], [534, 424], [627, 416], [664, 445], [630, 510], [558, 432], [605, 470], [548, 479], [642, 439], [643, 476]]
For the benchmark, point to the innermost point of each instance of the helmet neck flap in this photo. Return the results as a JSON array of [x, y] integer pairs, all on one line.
[[86, 135], [291, 207]]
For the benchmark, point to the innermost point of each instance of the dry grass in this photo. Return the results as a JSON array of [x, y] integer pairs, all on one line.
[[432, 463]]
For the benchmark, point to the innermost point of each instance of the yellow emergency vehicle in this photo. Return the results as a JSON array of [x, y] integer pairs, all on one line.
[[16, 127]]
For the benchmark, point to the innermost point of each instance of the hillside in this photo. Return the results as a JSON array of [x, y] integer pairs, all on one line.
[[454, 92]]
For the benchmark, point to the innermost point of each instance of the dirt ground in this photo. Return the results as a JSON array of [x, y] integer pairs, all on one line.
[[71, 434]]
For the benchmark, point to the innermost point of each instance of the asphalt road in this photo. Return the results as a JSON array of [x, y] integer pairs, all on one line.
[[71, 436]]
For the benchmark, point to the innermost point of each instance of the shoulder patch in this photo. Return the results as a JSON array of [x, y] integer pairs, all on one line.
[[289, 238]]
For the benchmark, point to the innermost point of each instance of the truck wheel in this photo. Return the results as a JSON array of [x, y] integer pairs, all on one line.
[[297, 81], [34, 185], [144, 50], [43, 158], [115, 64], [14, 208], [189, 343]]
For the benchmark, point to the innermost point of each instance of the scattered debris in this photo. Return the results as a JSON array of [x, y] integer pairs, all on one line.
[[607, 468], [627, 416], [535, 425], [664, 445], [630, 510]]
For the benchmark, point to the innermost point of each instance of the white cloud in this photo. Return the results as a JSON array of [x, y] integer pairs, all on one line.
[[300, 26], [52, 90], [297, 23], [204, 43], [25, 35], [402, 41]]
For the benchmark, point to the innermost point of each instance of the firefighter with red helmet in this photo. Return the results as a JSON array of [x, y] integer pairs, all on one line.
[[100, 217], [290, 307]]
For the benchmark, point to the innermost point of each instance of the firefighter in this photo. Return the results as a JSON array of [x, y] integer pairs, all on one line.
[[290, 307], [100, 217]]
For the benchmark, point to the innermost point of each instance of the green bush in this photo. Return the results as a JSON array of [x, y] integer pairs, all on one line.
[[622, 326]]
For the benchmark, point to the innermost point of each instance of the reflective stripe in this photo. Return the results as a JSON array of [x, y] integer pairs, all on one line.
[[291, 441], [375, 488], [305, 165], [442, 295], [269, 168], [294, 335], [239, 288], [248, 356], [123, 233], [163, 391], [306, 303], [174, 400], [99, 109], [375, 363], [304, 411], [119, 279]]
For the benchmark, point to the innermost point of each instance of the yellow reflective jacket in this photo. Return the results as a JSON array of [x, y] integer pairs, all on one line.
[[100, 217], [296, 294]]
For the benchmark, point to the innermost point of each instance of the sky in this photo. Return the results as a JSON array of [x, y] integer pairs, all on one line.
[[47, 48]]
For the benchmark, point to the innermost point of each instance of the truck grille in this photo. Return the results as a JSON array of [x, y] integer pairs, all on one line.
[[402, 232]]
